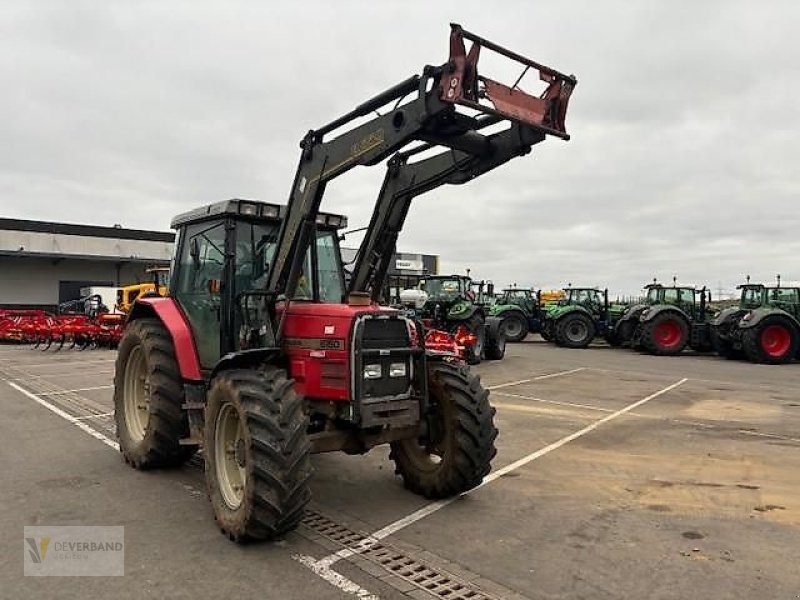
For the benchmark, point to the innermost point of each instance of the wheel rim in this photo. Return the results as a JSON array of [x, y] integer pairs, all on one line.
[[137, 395], [576, 331], [667, 334], [513, 327], [229, 456], [776, 340]]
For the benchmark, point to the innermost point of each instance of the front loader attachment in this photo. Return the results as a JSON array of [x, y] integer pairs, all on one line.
[[462, 84]]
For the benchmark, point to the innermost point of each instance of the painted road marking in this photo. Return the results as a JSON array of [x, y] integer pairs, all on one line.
[[324, 571], [66, 416], [433, 507], [539, 378], [86, 389]]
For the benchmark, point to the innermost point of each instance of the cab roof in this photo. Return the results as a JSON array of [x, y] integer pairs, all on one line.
[[262, 211]]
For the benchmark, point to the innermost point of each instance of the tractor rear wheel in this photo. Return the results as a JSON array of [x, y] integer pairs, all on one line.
[[148, 394], [459, 452], [575, 330], [477, 327], [773, 341], [257, 453], [665, 335], [515, 327]]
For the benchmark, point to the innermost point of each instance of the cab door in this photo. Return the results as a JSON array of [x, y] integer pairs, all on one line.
[[200, 269]]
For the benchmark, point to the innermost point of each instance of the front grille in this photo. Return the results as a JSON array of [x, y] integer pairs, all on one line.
[[385, 333]]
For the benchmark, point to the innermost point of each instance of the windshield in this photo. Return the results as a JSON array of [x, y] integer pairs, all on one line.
[[751, 297], [442, 288], [652, 295]]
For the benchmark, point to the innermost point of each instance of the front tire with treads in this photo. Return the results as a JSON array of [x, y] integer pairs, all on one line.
[[257, 453], [148, 394], [458, 456]]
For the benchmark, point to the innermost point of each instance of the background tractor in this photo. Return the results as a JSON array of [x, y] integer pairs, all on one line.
[[158, 286], [672, 318], [262, 354], [583, 314], [765, 327], [457, 304], [520, 313]]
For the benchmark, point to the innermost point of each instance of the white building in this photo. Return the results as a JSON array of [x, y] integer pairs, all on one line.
[[43, 264]]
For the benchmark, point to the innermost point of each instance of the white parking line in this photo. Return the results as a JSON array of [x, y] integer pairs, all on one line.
[[86, 389], [324, 571], [433, 507], [95, 416], [539, 378], [66, 416]]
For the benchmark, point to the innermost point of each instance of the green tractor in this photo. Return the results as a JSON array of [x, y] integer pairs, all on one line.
[[455, 303], [670, 318], [584, 314], [765, 327], [520, 313]]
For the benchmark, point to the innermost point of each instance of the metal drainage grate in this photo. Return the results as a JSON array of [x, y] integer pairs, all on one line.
[[436, 582]]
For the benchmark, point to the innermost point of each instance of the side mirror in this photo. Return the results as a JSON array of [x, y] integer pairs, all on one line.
[[194, 251], [490, 289]]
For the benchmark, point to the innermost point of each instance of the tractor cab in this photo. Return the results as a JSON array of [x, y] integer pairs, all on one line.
[[752, 295], [690, 300], [223, 253], [591, 298], [526, 299]]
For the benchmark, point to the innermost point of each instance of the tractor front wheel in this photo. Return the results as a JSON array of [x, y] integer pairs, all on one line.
[[773, 341], [515, 327], [665, 335], [460, 447], [257, 454], [148, 394], [575, 330]]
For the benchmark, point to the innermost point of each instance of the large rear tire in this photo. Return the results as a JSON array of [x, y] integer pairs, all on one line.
[[462, 447], [575, 330], [515, 327], [148, 394], [773, 341], [665, 334], [257, 454]]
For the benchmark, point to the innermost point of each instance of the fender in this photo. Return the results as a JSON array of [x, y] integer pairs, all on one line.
[[573, 308], [755, 316], [654, 311], [727, 316], [466, 315], [245, 358], [633, 313], [169, 313]]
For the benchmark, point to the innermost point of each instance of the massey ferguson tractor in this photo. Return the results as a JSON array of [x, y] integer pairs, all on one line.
[[261, 354]]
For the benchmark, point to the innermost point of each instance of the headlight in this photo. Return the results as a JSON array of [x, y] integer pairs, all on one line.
[[644, 314], [372, 371], [397, 369], [747, 317]]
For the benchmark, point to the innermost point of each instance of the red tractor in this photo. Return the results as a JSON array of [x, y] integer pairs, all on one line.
[[265, 352]]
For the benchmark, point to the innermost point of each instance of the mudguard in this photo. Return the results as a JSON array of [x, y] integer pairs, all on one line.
[[727, 316], [653, 311], [169, 313], [557, 315], [633, 313], [755, 316], [465, 312]]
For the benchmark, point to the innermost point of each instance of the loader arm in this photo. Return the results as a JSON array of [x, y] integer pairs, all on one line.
[[429, 117], [404, 181]]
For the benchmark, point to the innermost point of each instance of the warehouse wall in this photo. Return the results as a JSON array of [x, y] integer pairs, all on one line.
[[27, 281]]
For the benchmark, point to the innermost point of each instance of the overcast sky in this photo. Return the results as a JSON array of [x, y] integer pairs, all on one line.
[[683, 157]]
